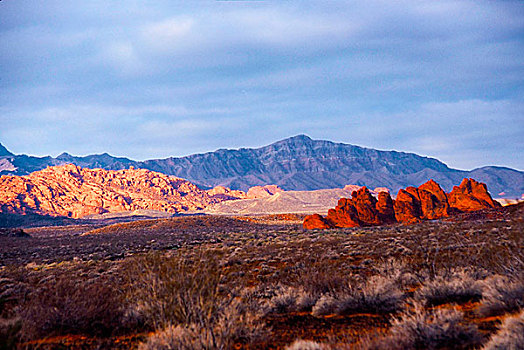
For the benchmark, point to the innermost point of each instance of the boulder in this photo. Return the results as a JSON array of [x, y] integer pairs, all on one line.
[[407, 207], [470, 196], [365, 205], [344, 214], [316, 221], [385, 208], [433, 201]]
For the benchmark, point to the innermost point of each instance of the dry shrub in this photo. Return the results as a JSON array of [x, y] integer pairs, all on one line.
[[502, 295], [325, 305], [398, 271], [72, 305], [319, 276], [457, 288], [436, 329], [234, 326], [238, 324], [290, 299], [300, 344], [509, 336], [377, 295], [172, 290], [180, 338], [9, 333]]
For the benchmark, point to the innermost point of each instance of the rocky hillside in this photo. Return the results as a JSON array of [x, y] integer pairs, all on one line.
[[296, 163], [75, 192]]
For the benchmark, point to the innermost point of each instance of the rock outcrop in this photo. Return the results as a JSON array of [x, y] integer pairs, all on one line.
[[427, 202], [75, 192], [316, 221], [407, 207], [362, 209], [385, 208], [471, 196]]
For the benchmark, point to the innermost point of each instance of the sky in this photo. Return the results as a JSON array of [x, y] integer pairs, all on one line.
[[438, 78]]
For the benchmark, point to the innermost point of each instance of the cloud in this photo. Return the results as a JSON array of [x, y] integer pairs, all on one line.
[[172, 78]]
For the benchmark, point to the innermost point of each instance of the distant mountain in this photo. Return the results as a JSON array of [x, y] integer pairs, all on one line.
[[297, 163], [4, 151]]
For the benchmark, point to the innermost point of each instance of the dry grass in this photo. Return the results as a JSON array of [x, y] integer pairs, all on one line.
[[460, 287], [300, 344], [502, 294], [509, 336], [377, 295], [71, 305], [421, 329]]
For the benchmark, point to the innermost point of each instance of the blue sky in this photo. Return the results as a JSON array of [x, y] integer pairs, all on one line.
[[438, 78]]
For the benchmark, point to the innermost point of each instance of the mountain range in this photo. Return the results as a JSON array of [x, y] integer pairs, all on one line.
[[295, 163]]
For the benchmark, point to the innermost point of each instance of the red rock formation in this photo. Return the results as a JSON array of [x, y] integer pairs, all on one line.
[[344, 214], [365, 205], [407, 207], [470, 196], [316, 221], [72, 191], [412, 205], [362, 209], [385, 208], [433, 200]]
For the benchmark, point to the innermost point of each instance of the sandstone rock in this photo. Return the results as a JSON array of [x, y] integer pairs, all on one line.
[[72, 191], [385, 208], [316, 221], [407, 207], [365, 205], [344, 214], [470, 196], [433, 201], [412, 205]]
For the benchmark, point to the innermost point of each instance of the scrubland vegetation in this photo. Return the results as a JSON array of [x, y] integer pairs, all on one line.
[[239, 284]]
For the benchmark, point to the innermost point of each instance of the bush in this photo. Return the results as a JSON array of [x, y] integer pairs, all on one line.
[[72, 305], [172, 290], [501, 295], [290, 299], [509, 336], [438, 329], [377, 295], [188, 293], [9, 333], [180, 338], [458, 288], [233, 326], [300, 344], [284, 301]]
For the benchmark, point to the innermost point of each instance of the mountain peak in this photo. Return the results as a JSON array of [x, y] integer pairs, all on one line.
[[297, 139], [4, 151], [64, 155]]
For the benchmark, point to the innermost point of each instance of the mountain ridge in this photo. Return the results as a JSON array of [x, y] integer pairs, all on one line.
[[295, 163]]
